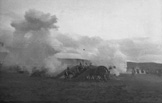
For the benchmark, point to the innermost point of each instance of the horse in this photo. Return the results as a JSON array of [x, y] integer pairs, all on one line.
[[102, 72], [98, 73]]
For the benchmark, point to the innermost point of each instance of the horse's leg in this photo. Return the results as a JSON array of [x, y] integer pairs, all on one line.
[[92, 77], [98, 77], [88, 77]]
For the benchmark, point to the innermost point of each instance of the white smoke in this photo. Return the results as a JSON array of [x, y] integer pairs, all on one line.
[[141, 50], [31, 42], [33, 45]]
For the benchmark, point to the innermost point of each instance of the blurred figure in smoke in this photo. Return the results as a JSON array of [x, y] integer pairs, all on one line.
[[90, 64], [110, 68], [66, 73], [69, 73], [113, 71], [80, 67], [114, 67], [133, 71]]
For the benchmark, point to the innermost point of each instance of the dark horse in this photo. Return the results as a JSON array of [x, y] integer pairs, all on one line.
[[102, 72], [98, 73]]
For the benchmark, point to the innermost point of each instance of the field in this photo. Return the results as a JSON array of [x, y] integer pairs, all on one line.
[[19, 87]]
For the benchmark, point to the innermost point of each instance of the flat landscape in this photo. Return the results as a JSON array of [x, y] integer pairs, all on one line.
[[20, 87]]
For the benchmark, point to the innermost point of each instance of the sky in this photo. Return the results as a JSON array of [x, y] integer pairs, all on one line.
[[108, 19]]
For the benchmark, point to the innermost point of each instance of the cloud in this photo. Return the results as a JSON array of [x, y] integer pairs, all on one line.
[[32, 42], [90, 41], [35, 20], [139, 48], [67, 41], [6, 36]]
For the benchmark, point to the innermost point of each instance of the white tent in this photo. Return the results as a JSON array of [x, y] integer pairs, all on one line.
[[72, 59]]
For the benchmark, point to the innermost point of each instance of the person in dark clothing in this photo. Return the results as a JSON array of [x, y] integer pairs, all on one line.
[[67, 73]]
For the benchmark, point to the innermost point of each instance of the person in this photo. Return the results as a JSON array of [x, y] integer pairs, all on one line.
[[90, 64], [67, 73], [133, 71], [110, 67], [80, 67], [114, 67]]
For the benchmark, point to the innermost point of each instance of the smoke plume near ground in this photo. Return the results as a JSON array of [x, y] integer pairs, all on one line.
[[33, 45]]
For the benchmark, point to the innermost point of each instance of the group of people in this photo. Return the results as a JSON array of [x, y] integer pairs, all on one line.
[[74, 71], [93, 72]]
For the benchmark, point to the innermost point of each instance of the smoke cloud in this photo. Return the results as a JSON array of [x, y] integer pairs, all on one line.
[[35, 20], [141, 50], [33, 45]]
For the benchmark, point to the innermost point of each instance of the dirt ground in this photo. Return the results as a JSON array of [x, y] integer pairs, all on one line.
[[19, 87]]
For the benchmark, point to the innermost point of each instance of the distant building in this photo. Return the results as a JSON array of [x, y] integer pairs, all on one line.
[[146, 67]]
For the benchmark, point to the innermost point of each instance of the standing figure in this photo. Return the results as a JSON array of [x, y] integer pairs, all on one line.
[[133, 71], [66, 74]]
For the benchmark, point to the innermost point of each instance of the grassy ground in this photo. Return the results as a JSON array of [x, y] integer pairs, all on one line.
[[17, 87]]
